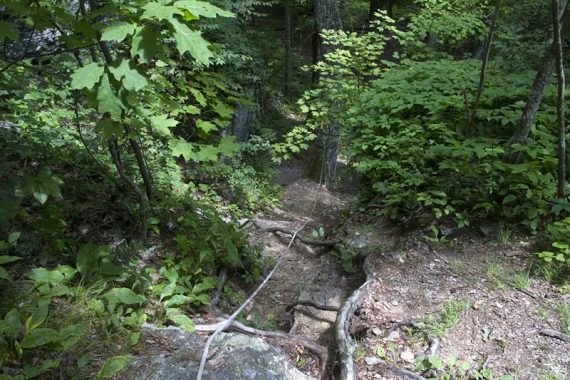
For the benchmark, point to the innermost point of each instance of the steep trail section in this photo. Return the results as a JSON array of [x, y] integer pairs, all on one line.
[[304, 295]]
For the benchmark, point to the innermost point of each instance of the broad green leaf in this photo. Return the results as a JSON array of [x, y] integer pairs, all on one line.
[[70, 335], [131, 78], [40, 195], [118, 31], [157, 11], [145, 44], [107, 100], [113, 366], [206, 126], [86, 76], [224, 110], [38, 317], [9, 30], [207, 153], [162, 124], [109, 128], [39, 337], [176, 300], [9, 259], [37, 369], [59, 275], [4, 274], [13, 237], [202, 8], [200, 98], [11, 325], [183, 321], [126, 296], [188, 40], [182, 148], [86, 258], [228, 146]]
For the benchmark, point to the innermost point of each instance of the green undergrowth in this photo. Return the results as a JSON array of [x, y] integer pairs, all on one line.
[[76, 283]]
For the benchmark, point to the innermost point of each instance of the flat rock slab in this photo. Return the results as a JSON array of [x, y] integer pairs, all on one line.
[[324, 298], [170, 353]]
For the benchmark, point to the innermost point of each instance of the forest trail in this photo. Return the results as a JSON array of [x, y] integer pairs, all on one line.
[[310, 284], [466, 298]]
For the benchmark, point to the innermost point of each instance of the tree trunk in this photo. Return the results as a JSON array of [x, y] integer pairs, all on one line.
[[288, 53], [557, 42], [537, 90], [492, 29], [327, 16]]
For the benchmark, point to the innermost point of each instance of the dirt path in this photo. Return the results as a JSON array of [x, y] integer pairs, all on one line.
[[469, 302], [310, 283]]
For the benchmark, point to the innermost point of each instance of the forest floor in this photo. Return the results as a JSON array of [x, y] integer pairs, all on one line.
[[462, 307]]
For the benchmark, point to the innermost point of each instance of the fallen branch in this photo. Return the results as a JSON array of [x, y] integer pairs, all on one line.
[[556, 335], [320, 351], [312, 304], [284, 227]]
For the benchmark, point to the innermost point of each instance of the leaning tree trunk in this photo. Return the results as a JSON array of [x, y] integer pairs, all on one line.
[[560, 105], [537, 90], [472, 117], [327, 17]]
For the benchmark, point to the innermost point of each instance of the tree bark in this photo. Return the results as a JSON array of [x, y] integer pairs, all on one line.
[[537, 90], [327, 17], [288, 53], [560, 104], [483, 74]]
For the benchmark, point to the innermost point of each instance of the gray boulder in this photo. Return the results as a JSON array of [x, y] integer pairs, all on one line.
[[170, 353]]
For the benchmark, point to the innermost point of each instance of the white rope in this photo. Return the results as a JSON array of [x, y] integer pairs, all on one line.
[[232, 317]]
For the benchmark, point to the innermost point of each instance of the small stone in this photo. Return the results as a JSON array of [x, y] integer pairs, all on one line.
[[407, 356], [376, 331], [395, 303], [372, 360], [394, 335]]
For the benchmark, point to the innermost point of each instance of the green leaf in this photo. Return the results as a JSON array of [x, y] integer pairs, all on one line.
[[182, 148], [13, 237], [38, 317], [188, 40], [118, 31], [126, 296], [70, 335], [162, 124], [145, 44], [107, 100], [183, 321], [157, 11], [86, 76], [40, 195], [206, 126], [207, 153], [113, 366], [9, 259], [36, 370], [202, 8], [11, 325], [109, 128], [9, 30], [228, 146], [132, 80], [39, 337], [4, 274]]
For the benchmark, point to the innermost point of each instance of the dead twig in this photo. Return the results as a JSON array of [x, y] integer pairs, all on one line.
[[555, 334]]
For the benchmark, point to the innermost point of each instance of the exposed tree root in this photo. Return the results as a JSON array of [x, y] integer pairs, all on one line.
[[344, 341], [320, 351], [287, 228], [556, 335]]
